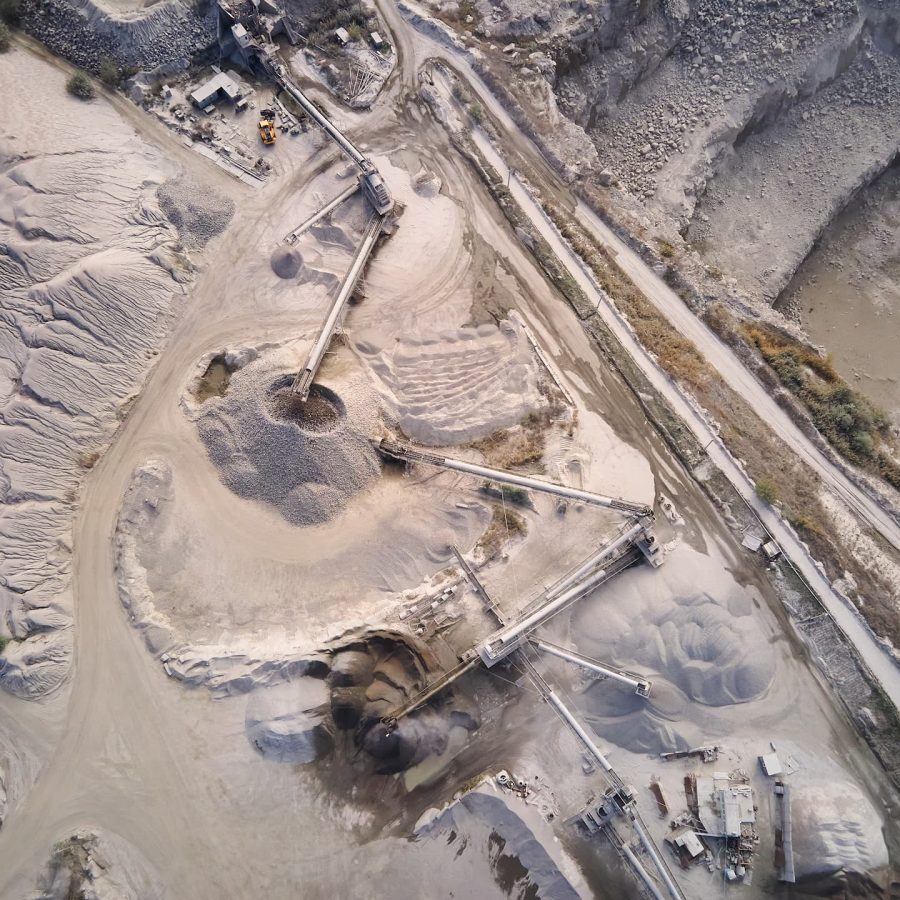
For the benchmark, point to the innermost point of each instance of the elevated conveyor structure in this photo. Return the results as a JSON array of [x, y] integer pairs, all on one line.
[[405, 452], [468, 661], [619, 554], [307, 374], [639, 685], [486, 599], [374, 188], [565, 713], [293, 236]]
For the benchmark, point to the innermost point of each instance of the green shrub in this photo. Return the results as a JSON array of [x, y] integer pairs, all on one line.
[[476, 112], [110, 74], [850, 422], [80, 86], [10, 10], [767, 490], [4, 37]]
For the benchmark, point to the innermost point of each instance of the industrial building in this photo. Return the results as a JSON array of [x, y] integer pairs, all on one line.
[[219, 87], [726, 807]]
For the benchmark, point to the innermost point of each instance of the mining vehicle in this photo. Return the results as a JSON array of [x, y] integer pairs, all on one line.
[[267, 126]]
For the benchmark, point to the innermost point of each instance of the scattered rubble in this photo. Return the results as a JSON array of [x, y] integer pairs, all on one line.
[[85, 35]]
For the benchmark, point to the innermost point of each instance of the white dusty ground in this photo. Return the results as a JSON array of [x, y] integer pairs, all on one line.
[[92, 278], [172, 772]]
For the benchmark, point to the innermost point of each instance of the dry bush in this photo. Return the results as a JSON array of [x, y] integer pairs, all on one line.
[[505, 525], [853, 425], [88, 459]]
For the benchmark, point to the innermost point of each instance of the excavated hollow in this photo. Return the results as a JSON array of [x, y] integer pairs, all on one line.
[[320, 413]]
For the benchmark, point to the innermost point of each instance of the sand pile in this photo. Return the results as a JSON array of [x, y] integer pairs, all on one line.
[[484, 823], [306, 460], [85, 284], [456, 386], [288, 722], [286, 261], [196, 210], [835, 827], [37, 666]]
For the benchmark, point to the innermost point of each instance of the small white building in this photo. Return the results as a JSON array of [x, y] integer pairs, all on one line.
[[690, 842], [737, 809], [342, 35], [239, 33], [218, 87], [376, 39], [771, 764], [726, 807]]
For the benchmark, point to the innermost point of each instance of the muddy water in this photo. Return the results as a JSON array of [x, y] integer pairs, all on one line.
[[847, 292]]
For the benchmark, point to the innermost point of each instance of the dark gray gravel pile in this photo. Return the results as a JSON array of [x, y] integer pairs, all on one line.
[[264, 451], [198, 212], [168, 31]]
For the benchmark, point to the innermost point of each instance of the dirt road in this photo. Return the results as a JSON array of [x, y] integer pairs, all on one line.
[[717, 353]]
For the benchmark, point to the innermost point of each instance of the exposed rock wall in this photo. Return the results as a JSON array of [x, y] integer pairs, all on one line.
[[84, 32]]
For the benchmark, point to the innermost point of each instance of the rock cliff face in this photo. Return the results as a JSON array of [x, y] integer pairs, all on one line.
[[85, 31], [757, 119]]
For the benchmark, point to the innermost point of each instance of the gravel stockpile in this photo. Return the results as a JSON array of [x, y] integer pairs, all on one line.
[[288, 722], [168, 32], [265, 450], [196, 210], [286, 262]]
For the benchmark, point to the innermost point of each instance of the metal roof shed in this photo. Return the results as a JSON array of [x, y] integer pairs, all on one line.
[[690, 842]]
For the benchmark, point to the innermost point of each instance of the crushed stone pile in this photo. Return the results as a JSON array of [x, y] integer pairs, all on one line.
[[85, 32], [307, 471], [695, 650], [456, 386], [288, 722], [835, 828], [484, 821], [196, 210]]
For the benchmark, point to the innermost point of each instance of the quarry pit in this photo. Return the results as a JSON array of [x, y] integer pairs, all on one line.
[[225, 601]]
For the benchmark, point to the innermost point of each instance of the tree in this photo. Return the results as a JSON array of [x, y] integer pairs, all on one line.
[[767, 490], [10, 10], [110, 74], [80, 86], [4, 37]]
